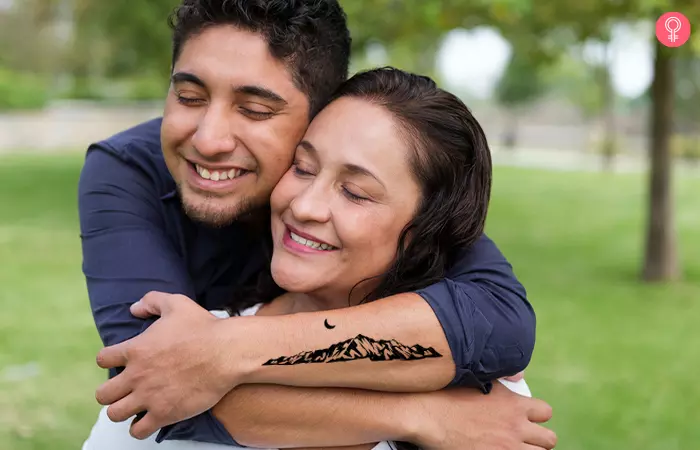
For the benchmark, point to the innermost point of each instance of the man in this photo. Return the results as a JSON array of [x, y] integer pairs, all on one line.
[[170, 206]]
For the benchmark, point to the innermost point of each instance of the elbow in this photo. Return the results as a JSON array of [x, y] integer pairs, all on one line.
[[515, 352], [509, 347]]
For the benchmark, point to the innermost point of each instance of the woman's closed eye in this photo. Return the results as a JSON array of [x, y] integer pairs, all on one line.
[[299, 171], [354, 197]]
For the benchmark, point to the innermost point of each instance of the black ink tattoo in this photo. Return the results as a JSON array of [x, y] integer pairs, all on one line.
[[328, 325], [360, 347]]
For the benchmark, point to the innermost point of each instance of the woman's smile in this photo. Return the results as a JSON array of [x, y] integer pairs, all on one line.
[[299, 242]]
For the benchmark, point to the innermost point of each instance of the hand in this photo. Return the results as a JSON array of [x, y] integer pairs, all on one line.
[[463, 418], [174, 370]]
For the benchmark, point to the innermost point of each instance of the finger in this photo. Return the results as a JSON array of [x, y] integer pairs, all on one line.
[[143, 427], [126, 407], [114, 356], [113, 390], [540, 437], [530, 447], [538, 411], [152, 304]]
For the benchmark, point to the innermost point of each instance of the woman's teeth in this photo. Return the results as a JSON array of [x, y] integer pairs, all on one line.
[[218, 175], [309, 243]]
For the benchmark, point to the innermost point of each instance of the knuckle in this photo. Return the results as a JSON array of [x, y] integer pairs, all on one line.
[[547, 410]]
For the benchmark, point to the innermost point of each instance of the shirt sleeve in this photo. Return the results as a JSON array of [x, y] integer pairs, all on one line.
[[126, 252], [485, 314]]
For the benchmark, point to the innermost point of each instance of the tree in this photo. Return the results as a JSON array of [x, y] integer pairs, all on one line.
[[521, 84], [590, 19]]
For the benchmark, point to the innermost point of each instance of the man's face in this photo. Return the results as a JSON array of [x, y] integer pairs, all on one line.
[[232, 120]]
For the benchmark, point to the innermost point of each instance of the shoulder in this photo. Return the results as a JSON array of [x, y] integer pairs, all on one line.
[[136, 153]]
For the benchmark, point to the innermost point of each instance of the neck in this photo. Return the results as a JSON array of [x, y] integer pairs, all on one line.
[[324, 300], [303, 302]]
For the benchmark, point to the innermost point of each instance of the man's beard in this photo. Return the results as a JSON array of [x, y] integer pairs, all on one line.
[[206, 213]]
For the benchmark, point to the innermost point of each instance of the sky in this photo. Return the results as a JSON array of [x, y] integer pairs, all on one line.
[[473, 61]]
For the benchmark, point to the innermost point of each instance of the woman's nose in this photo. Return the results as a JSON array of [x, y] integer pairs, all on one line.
[[312, 204]]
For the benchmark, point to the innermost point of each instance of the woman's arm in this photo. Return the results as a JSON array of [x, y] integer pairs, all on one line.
[[271, 416]]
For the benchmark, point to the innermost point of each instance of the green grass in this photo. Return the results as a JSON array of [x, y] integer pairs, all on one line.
[[616, 358]]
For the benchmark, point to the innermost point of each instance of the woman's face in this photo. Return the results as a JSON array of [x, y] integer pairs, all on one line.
[[339, 210]]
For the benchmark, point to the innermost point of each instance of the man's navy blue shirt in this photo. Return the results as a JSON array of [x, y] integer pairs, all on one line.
[[136, 238]]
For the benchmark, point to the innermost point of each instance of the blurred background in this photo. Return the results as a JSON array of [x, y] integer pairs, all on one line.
[[594, 129]]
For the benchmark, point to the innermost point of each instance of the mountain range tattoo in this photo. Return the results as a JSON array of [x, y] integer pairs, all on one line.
[[359, 347]]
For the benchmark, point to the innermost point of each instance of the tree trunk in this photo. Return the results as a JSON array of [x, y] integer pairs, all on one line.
[[510, 135], [609, 143], [661, 258]]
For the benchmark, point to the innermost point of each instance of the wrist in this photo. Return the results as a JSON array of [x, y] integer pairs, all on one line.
[[235, 341], [417, 425]]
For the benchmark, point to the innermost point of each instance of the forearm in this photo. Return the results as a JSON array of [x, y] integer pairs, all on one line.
[[272, 416], [393, 344]]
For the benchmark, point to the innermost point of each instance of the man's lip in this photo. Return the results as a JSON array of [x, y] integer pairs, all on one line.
[[307, 235]]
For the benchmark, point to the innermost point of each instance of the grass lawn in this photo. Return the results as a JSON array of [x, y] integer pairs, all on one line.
[[617, 359]]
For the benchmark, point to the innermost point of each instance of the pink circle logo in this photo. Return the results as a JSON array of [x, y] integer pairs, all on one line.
[[673, 29]]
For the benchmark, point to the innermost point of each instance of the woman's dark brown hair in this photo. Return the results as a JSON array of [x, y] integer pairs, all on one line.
[[451, 161]]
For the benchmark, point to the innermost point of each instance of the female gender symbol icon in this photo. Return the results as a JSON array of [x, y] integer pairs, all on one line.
[[673, 29], [673, 25]]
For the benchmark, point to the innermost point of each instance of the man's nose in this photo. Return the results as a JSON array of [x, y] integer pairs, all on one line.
[[215, 133], [312, 204]]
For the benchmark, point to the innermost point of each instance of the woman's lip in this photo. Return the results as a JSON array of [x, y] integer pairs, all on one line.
[[306, 235], [295, 247]]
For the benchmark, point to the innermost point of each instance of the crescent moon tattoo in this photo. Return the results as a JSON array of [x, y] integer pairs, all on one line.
[[327, 325]]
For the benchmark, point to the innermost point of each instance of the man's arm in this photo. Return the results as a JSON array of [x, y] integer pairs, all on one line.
[[481, 311], [125, 252], [469, 329]]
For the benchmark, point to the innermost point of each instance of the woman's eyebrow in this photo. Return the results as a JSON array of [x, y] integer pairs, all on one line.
[[350, 168], [359, 170]]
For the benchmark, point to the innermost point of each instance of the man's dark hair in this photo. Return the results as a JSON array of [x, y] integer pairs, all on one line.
[[310, 37], [452, 163]]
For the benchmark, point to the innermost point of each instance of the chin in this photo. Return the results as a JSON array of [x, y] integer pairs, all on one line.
[[293, 280], [213, 211]]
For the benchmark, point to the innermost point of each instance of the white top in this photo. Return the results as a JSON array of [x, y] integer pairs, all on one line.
[[108, 435]]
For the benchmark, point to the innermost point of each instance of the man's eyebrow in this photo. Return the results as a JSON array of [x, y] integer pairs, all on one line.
[[186, 77], [351, 168], [258, 91]]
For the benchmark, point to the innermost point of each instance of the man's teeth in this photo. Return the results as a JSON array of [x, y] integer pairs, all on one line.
[[218, 175], [309, 243]]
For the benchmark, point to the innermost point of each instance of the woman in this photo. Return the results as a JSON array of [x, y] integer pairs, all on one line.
[[392, 177]]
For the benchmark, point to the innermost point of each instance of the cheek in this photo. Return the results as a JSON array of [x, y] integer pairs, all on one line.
[[371, 237], [273, 145], [284, 193]]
